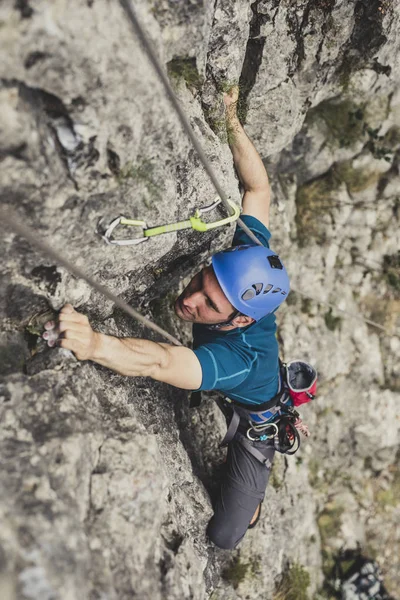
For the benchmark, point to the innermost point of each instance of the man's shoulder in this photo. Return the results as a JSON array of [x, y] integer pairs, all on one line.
[[203, 335], [259, 229], [262, 327], [239, 336]]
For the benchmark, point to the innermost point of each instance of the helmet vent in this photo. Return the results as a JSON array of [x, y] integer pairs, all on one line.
[[258, 287], [248, 294], [275, 262], [276, 290], [268, 288]]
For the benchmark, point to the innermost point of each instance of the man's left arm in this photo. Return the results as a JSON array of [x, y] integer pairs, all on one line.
[[176, 365], [248, 163]]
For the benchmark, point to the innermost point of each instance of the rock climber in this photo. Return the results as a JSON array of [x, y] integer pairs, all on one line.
[[231, 304]]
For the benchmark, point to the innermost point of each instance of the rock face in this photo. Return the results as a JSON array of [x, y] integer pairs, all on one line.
[[105, 479]]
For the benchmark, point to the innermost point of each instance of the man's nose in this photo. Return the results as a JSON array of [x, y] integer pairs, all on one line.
[[193, 300]]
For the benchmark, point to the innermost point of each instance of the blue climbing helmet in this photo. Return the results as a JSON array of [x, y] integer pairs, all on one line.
[[253, 279]]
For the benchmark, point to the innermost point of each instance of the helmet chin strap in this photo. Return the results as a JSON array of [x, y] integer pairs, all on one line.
[[217, 326]]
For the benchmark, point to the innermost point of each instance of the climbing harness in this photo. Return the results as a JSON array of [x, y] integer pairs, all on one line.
[[277, 419], [195, 222]]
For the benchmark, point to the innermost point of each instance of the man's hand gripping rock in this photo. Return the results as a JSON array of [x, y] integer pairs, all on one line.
[[72, 332], [231, 98]]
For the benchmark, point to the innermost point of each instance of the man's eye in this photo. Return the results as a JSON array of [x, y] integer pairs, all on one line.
[[209, 303]]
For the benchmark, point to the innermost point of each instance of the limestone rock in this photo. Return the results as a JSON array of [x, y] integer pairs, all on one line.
[[106, 482]]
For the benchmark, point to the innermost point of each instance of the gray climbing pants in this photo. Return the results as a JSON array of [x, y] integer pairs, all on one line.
[[243, 488]]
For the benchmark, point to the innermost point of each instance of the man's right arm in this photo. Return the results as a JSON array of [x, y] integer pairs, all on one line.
[[176, 365], [248, 163], [133, 357]]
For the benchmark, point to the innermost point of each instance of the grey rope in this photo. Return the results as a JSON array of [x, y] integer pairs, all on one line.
[[7, 216], [126, 5], [349, 314], [11, 219]]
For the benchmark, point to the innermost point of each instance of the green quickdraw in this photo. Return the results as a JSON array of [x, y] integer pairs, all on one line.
[[194, 222]]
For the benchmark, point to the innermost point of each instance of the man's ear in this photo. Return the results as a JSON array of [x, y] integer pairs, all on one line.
[[242, 321]]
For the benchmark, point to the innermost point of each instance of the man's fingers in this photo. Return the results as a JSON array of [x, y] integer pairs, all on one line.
[[69, 345], [48, 335], [67, 309], [231, 96], [73, 317], [51, 337], [75, 346], [68, 313], [73, 326], [74, 334]]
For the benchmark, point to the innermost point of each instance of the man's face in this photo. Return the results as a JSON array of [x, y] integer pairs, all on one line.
[[203, 300]]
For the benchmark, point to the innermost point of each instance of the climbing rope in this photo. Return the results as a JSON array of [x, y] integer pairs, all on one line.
[[126, 5], [7, 216], [349, 314]]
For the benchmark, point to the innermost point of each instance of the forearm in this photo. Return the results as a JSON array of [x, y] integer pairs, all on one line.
[[129, 356], [247, 161]]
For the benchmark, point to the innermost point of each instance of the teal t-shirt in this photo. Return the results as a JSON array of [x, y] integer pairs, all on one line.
[[243, 362]]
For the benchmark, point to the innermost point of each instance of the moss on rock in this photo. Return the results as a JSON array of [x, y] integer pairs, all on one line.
[[391, 270], [236, 572], [356, 180], [313, 200], [317, 198], [329, 522], [276, 480], [294, 584], [185, 68], [392, 138], [344, 121], [142, 172], [331, 321]]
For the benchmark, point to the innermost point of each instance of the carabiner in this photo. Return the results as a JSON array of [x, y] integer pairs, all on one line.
[[199, 225], [121, 220], [261, 429], [194, 222]]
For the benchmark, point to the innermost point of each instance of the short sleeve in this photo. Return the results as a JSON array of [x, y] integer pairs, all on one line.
[[260, 231], [223, 367]]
